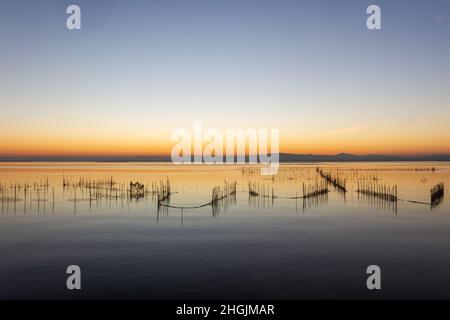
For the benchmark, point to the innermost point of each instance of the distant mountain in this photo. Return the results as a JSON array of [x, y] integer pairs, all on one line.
[[345, 157], [284, 157]]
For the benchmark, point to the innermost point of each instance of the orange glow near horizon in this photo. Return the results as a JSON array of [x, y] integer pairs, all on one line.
[[161, 146]]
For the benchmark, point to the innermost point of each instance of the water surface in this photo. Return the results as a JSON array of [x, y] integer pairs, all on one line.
[[246, 247]]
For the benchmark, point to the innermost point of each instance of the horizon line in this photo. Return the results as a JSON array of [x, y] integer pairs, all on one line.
[[283, 157]]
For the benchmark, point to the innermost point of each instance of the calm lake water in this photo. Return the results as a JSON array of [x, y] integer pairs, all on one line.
[[58, 214]]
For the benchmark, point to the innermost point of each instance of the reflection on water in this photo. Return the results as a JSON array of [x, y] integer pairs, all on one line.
[[165, 231], [378, 202], [87, 188]]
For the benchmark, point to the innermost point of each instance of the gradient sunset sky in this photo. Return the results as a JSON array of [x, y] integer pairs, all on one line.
[[139, 69]]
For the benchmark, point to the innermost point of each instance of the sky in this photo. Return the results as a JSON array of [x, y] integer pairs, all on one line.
[[137, 70]]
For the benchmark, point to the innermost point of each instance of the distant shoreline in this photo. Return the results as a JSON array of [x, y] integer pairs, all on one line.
[[283, 158]]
